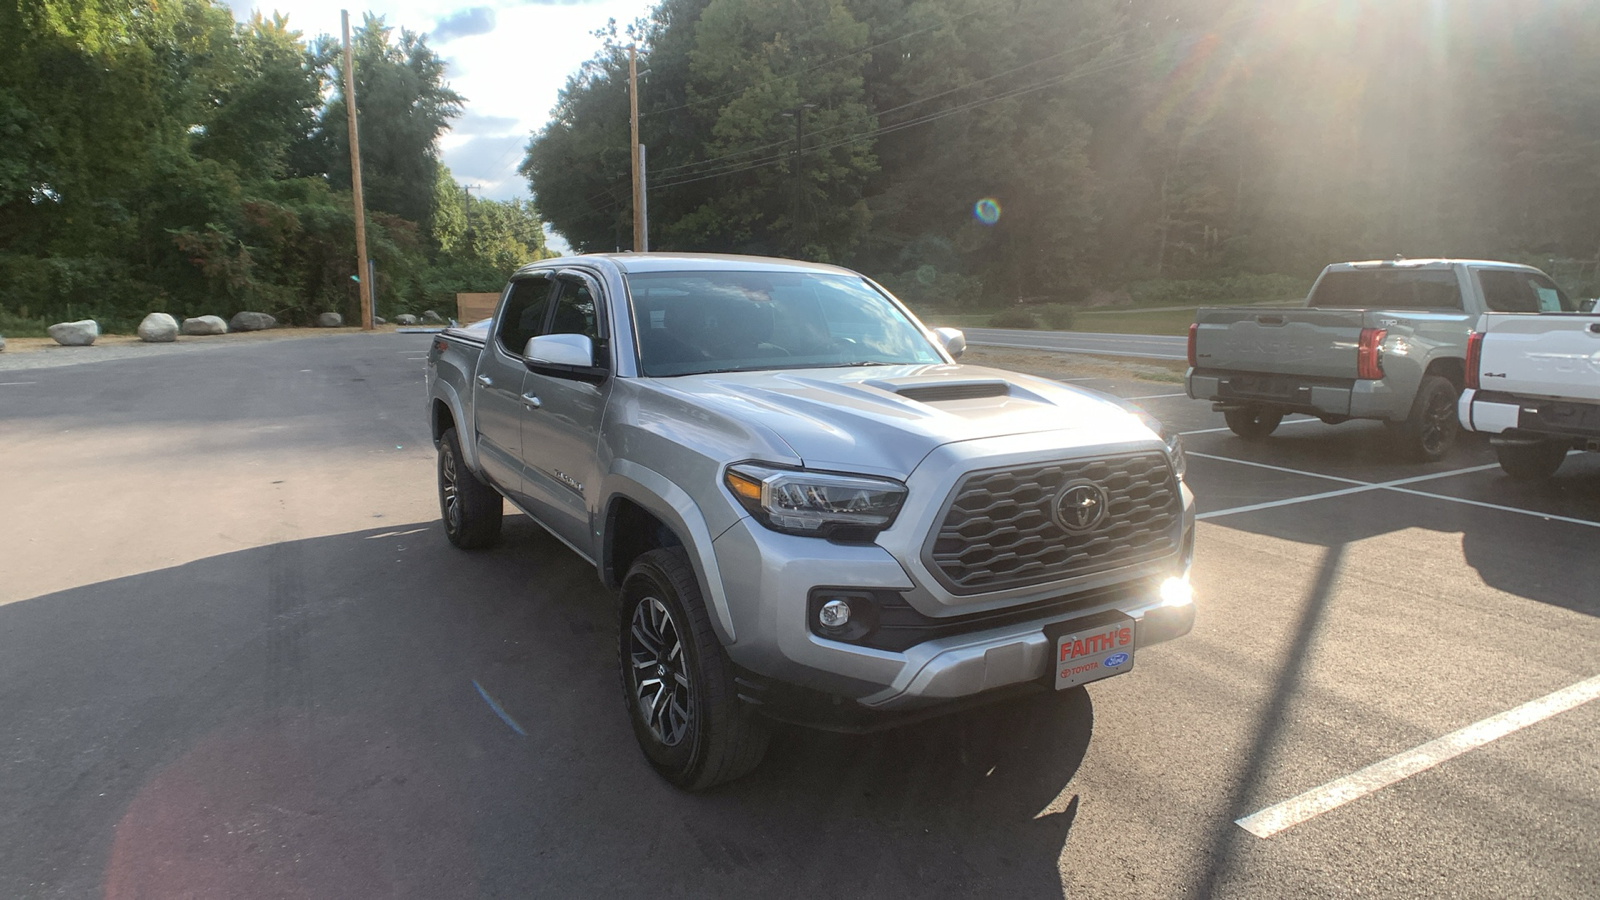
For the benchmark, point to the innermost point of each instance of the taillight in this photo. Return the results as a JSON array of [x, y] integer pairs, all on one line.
[[1474, 356], [1194, 327], [1369, 353]]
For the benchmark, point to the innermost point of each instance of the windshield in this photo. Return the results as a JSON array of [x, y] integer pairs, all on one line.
[[690, 323]]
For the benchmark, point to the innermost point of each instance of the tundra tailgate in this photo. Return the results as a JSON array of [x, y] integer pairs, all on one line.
[[1541, 356], [1315, 342]]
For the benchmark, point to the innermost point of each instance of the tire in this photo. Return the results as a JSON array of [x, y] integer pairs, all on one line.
[[1252, 423], [1531, 462], [1431, 431], [472, 511], [682, 702]]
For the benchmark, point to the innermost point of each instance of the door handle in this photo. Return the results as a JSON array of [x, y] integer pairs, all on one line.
[[1594, 327], [531, 402], [486, 381]]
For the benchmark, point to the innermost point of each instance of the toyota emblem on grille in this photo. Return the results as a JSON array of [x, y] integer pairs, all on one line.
[[1081, 507]]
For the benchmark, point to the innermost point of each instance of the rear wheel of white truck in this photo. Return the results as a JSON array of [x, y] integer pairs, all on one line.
[[677, 680], [1252, 423], [1531, 462], [472, 511]]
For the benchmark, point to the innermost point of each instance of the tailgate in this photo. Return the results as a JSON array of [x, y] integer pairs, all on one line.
[[1318, 342], [1542, 356]]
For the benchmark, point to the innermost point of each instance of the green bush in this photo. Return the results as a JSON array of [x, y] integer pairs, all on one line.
[[1058, 316], [927, 288], [1218, 291], [1013, 318]]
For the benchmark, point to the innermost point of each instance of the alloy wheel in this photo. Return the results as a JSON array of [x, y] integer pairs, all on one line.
[[659, 673]]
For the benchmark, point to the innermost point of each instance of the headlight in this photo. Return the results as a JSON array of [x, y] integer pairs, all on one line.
[[1174, 442], [818, 504]]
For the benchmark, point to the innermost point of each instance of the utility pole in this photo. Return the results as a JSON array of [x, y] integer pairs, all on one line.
[[365, 280], [644, 202], [469, 188], [633, 116], [799, 115]]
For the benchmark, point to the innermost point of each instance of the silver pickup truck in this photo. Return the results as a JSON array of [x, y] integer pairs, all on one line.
[[810, 511], [1533, 384], [1382, 340]]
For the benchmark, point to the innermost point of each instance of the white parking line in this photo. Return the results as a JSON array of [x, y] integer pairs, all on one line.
[[1509, 509], [1148, 396], [1315, 802], [1259, 465], [15, 383], [1361, 488]]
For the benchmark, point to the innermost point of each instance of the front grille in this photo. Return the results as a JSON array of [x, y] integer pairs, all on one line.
[[1000, 530]]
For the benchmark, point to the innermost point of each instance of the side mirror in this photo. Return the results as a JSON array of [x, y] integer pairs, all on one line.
[[1587, 306], [954, 342], [575, 350]]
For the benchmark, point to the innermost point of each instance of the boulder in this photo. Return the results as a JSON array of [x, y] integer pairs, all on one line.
[[330, 320], [251, 321], [75, 334], [205, 325], [429, 317], [405, 319], [158, 328], [378, 320]]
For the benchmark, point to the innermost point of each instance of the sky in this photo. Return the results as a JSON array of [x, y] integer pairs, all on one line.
[[508, 58]]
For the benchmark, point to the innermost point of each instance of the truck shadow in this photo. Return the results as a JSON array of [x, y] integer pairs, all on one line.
[[1510, 549], [375, 713]]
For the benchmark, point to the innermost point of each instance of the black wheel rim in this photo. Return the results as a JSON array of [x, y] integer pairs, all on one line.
[[659, 672], [450, 489], [1437, 420]]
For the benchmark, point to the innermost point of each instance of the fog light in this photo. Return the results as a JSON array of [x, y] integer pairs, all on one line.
[[834, 614], [1176, 592]]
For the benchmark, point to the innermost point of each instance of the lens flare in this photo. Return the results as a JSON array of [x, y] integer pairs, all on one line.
[[927, 274], [986, 210]]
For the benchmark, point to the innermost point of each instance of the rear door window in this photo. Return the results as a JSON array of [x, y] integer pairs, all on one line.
[[1519, 291], [524, 314], [1388, 288]]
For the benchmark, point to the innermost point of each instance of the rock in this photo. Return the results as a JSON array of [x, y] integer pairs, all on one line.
[[251, 321], [429, 317], [205, 325], [405, 318], [376, 320], [158, 328], [75, 334], [330, 320]]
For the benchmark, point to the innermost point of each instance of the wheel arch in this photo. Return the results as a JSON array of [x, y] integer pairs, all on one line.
[[641, 497]]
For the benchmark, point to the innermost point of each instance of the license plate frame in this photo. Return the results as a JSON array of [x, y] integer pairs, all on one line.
[[1082, 647]]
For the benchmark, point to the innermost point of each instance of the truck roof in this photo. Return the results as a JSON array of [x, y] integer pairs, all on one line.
[[692, 262], [1428, 264]]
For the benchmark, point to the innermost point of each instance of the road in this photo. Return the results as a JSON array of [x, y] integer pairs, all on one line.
[[1143, 346], [238, 659]]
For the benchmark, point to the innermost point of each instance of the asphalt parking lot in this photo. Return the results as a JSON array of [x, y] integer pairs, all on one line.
[[237, 658]]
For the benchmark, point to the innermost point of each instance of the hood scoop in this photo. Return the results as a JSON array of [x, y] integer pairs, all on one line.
[[952, 390]]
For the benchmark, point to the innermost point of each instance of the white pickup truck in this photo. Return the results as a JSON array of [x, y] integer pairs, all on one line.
[[1533, 385]]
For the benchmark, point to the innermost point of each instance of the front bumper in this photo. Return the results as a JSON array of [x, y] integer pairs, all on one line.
[[768, 577]]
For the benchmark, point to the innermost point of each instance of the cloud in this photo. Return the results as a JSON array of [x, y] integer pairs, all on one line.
[[474, 124], [467, 22], [490, 162], [560, 3]]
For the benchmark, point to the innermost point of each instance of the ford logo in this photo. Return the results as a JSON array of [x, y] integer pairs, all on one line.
[[1081, 507], [1115, 659]]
